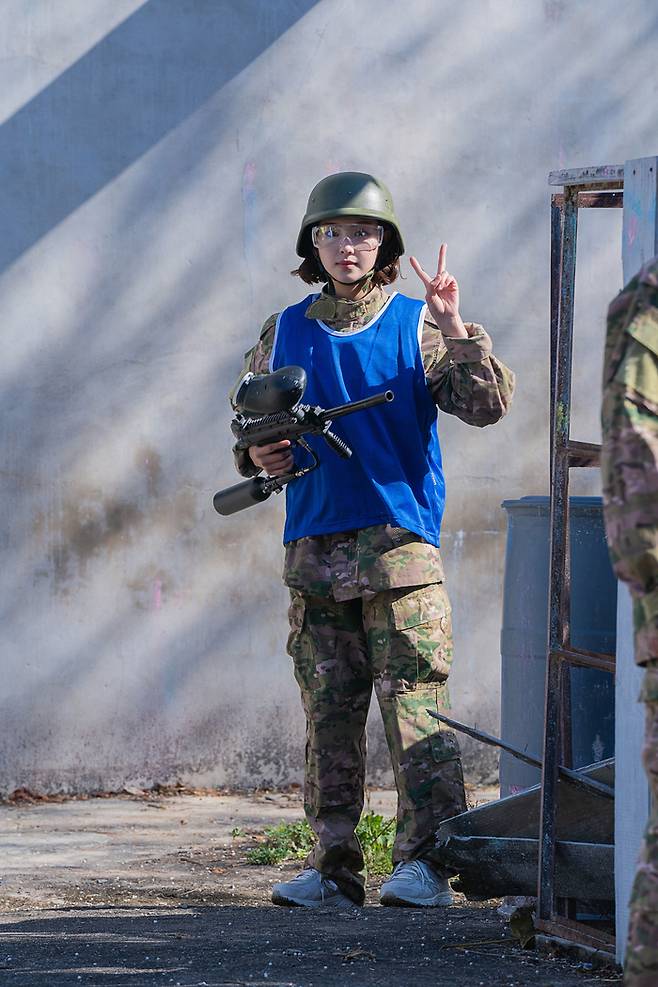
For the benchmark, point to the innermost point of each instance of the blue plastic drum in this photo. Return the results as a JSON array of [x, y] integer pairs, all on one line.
[[525, 628]]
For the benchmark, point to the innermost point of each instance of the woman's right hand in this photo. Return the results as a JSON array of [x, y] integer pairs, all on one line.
[[275, 458]]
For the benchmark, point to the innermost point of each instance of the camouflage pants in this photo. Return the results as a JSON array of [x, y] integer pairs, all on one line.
[[400, 641], [641, 967], [629, 474]]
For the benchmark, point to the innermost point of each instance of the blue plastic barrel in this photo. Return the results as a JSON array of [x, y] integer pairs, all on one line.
[[525, 628]]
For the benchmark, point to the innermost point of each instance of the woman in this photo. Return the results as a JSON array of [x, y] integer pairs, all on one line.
[[368, 602]]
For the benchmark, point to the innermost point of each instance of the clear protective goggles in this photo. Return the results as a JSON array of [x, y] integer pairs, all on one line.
[[362, 236]]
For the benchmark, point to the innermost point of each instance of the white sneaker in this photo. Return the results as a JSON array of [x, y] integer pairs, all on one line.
[[414, 883], [310, 890]]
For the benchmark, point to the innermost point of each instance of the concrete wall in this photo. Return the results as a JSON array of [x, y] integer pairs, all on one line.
[[155, 161]]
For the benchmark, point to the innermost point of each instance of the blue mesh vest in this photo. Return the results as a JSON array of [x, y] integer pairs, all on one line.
[[395, 474]]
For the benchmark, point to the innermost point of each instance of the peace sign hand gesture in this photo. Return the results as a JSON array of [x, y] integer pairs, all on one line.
[[442, 295]]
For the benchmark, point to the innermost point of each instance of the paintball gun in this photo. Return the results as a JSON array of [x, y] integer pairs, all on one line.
[[268, 410]]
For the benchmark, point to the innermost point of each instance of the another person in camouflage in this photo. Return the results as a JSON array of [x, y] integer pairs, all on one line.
[[629, 466], [368, 604]]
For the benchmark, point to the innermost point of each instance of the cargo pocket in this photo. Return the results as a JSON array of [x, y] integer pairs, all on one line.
[[444, 745], [423, 630], [299, 645], [296, 612]]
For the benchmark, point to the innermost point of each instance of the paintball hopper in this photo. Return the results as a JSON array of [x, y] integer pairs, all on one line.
[[265, 394]]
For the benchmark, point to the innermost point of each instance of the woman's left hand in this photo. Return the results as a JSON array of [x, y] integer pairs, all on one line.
[[442, 295]]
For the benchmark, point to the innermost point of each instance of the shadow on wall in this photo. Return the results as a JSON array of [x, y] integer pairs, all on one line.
[[75, 395], [119, 100]]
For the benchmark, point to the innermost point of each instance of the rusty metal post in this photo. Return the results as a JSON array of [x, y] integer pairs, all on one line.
[[557, 202], [559, 577], [600, 187]]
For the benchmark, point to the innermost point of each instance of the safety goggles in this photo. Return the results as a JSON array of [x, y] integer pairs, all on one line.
[[362, 236]]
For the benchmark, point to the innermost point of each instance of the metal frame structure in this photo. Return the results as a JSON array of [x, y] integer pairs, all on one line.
[[584, 188]]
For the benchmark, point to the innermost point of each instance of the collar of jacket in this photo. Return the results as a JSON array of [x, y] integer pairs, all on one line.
[[344, 314]]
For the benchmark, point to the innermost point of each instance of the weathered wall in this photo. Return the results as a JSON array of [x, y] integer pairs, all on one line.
[[155, 162]]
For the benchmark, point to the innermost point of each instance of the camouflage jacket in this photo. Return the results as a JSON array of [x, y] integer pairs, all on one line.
[[629, 459], [465, 380]]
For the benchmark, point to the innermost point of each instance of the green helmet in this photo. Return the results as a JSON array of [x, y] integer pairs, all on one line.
[[348, 193]]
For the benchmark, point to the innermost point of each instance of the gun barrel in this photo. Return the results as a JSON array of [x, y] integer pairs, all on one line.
[[347, 409]]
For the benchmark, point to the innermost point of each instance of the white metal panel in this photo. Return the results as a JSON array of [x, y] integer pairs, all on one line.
[[640, 231], [631, 789]]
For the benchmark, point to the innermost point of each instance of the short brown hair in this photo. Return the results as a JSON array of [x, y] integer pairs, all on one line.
[[387, 265]]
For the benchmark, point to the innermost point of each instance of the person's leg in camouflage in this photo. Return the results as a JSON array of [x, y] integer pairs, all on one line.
[[409, 634], [629, 475], [328, 648], [641, 966]]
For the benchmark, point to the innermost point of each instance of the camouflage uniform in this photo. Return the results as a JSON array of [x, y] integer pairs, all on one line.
[[629, 467], [369, 607]]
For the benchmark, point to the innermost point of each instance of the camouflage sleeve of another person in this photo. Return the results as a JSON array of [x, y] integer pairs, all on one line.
[[629, 459], [256, 360], [464, 377]]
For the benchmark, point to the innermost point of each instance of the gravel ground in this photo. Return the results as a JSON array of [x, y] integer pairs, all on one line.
[[155, 890]]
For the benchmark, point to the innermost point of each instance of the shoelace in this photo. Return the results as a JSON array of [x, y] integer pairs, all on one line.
[[326, 885], [412, 871], [305, 876]]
